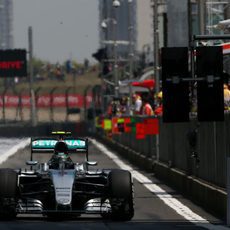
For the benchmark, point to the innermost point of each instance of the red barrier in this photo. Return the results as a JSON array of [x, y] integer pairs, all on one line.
[[43, 101], [127, 122], [114, 125], [151, 126], [140, 131]]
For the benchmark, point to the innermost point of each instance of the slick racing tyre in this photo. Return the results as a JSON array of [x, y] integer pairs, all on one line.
[[121, 195], [8, 193]]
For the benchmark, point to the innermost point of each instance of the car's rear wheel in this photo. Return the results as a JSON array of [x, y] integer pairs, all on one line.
[[8, 193], [121, 195]]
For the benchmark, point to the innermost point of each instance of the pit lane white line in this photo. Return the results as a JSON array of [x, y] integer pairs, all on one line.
[[4, 156], [173, 203]]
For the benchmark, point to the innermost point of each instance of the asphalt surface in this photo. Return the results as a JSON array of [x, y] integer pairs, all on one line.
[[150, 211]]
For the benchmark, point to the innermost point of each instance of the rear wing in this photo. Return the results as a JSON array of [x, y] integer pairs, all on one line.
[[46, 145]]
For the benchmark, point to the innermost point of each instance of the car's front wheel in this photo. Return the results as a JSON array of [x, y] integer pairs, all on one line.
[[121, 195], [8, 193]]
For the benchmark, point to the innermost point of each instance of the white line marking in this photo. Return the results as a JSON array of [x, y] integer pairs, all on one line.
[[173, 203], [13, 150]]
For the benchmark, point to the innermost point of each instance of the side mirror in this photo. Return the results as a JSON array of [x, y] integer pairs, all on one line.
[[31, 163], [91, 163]]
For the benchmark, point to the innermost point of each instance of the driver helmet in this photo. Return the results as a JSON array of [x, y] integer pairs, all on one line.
[[61, 149]]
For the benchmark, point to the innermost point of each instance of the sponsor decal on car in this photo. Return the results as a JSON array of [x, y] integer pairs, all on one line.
[[44, 143], [51, 143], [75, 143]]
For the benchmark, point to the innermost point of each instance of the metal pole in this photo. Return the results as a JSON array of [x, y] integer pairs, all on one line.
[[156, 64], [131, 53], [85, 101], [228, 191], [156, 45], [4, 105], [32, 94], [227, 11], [103, 63], [2, 9], [116, 91], [211, 37], [190, 31], [202, 13]]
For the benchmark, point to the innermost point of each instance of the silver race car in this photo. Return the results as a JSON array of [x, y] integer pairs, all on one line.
[[62, 186]]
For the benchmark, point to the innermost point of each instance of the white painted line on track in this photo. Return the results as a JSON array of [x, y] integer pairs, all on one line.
[[173, 203], [4, 156]]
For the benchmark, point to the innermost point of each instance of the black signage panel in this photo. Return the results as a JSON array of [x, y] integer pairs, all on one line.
[[176, 104], [210, 99], [13, 63]]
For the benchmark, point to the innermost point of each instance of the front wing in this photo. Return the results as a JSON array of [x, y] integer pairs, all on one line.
[[37, 195], [92, 206]]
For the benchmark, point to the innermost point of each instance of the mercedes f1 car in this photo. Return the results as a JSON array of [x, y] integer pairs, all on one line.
[[68, 187]]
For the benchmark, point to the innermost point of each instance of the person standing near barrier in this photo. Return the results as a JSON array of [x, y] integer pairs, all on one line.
[[147, 109], [123, 105], [159, 108], [226, 97], [137, 101]]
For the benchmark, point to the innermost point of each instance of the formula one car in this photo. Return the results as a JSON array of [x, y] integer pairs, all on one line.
[[62, 186]]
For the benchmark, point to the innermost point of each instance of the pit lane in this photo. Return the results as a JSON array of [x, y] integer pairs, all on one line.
[[150, 211]]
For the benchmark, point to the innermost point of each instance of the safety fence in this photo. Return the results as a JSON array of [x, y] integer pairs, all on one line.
[[55, 105]]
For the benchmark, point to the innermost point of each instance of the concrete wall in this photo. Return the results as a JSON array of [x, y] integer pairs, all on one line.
[[211, 198], [197, 149], [192, 158]]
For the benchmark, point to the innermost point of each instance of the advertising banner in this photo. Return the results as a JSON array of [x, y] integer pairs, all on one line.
[[43, 101], [13, 63]]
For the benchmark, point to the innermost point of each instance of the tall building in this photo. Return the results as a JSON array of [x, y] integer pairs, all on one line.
[[141, 20], [116, 21], [145, 27], [6, 24]]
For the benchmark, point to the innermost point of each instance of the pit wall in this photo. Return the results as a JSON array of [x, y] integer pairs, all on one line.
[[191, 157]]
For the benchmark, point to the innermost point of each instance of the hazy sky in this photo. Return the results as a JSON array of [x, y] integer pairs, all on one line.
[[62, 29]]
